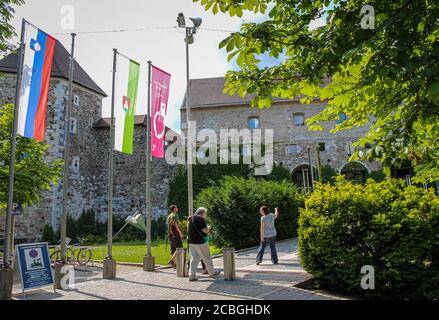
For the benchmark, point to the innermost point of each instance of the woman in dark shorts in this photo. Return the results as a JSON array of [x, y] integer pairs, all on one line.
[[174, 234]]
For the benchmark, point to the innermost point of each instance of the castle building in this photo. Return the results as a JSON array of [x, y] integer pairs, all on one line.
[[89, 153], [211, 108]]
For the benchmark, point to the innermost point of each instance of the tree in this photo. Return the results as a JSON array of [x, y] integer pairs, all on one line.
[[6, 29], [389, 74], [32, 173]]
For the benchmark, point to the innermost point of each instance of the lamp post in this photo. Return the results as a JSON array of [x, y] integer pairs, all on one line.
[[189, 39]]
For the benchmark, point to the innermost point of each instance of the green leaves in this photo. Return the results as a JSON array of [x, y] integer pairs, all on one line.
[[394, 228], [32, 174], [7, 31], [236, 201], [234, 8], [373, 72]]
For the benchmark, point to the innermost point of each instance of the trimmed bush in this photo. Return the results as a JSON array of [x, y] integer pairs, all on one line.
[[387, 225], [233, 209], [209, 175]]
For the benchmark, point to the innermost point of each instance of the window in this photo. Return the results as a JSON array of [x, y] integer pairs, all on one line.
[[246, 151], [73, 123], [349, 148], [76, 100], [299, 119], [201, 154], [75, 164], [341, 117], [293, 149], [253, 123], [322, 146]]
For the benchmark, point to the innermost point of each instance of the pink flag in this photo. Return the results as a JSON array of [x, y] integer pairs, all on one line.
[[160, 94]]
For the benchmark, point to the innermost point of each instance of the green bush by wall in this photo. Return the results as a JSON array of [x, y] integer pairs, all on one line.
[[208, 175], [387, 225], [233, 209]]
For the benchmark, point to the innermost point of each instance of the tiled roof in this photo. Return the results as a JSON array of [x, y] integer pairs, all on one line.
[[138, 120], [60, 68], [210, 92]]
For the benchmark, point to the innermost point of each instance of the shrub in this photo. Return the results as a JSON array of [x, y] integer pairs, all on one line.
[[328, 174], [209, 175], [279, 173], [202, 176], [387, 225], [233, 209], [48, 234], [377, 175]]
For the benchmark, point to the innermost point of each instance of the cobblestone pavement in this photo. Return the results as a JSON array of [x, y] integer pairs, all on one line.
[[265, 282]]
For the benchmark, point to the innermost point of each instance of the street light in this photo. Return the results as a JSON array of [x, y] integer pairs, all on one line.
[[189, 39]]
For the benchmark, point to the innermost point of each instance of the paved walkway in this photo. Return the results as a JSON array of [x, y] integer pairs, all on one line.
[[265, 282]]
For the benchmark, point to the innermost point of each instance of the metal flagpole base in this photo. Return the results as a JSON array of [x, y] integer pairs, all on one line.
[[109, 269], [58, 275], [6, 281], [148, 263]]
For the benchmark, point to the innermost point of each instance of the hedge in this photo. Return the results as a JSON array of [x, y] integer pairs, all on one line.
[[233, 209], [387, 225], [209, 175]]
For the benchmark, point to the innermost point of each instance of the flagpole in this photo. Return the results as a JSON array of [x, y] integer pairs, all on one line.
[[8, 225], [149, 261], [189, 132], [6, 272], [65, 185], [109, 263]]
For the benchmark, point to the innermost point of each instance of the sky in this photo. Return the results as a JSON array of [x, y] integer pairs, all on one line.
[[164, 46]]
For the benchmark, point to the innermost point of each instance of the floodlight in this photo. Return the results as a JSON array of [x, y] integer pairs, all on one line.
[[181, 21], [196, 22]]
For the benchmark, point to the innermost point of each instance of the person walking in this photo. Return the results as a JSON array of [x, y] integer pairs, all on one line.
[[174, 234], [268, 234], [198, 244]]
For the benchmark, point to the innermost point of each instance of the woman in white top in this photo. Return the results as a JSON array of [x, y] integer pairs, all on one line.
[[268, 234]]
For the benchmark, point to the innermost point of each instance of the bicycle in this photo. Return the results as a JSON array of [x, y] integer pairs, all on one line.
[[78, 253], [84, 255], [55, 256]]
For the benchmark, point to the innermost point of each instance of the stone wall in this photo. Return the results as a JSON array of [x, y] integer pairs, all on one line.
[[88, 176], [130, 177], [279, 117]]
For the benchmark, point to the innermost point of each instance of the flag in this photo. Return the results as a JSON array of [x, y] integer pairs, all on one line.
[[34, 88], [160, 93], [125, 104], [137, 221]]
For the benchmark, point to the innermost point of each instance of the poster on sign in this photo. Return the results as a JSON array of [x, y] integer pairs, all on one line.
[[160, 93], [34, 265]]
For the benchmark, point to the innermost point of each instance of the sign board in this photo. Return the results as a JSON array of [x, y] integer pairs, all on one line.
[[17, 209], [34, 265]]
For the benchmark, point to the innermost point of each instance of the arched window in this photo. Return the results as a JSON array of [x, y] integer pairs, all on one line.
[[354, 171], [253, 123], [301, 176], [299, 119]]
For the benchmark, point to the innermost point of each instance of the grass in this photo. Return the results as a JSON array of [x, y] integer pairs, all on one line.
[[135, 251]]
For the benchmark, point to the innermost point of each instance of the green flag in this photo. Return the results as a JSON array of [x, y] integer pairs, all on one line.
[[127, 83], [137, 221]]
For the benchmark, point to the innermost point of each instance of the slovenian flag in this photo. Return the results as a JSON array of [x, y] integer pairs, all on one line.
[[37, 66]]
